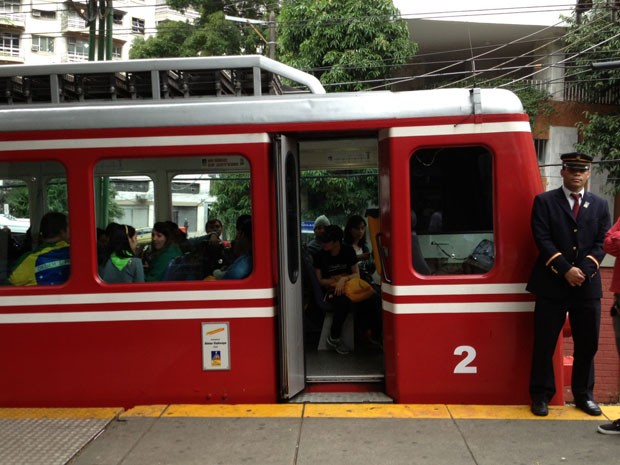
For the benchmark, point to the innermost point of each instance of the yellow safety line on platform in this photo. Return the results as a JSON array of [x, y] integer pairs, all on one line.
[[375, 411], [515, 412], [145, 411], [59, 413], [422, 411], [240, 410]]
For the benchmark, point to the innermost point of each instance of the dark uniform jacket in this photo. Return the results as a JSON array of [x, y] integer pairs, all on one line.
[[564, 242]]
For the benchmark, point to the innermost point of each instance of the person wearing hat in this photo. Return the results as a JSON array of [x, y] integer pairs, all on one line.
[[315, 244], [569, 226]]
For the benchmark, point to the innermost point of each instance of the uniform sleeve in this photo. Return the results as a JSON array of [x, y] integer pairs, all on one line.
[[541, 230]]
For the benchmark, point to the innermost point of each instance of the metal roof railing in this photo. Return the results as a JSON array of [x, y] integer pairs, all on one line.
[[153, 79]]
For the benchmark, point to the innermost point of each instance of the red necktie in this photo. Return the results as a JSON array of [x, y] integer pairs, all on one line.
[[577, 198]]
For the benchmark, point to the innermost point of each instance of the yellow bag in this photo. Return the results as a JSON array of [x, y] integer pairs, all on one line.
[[358, 290]]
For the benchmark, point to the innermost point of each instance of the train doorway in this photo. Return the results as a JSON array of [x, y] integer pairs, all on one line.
[[337, 180]]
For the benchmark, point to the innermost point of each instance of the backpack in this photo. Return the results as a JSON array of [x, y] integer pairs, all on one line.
[[481, 259]]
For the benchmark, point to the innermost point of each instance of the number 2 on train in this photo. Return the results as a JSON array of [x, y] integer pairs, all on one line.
[[463, 366]]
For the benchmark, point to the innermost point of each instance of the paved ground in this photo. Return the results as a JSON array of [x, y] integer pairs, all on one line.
[[306, 434]]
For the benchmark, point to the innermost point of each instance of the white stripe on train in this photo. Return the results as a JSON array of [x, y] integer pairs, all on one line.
[[454, 289], [138, 315], [223, 139], [438, 308], [116, 141], [133, 297]]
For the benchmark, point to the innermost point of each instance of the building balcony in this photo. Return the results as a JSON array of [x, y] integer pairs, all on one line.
[[13, 20], [165, 13], [9, 58]]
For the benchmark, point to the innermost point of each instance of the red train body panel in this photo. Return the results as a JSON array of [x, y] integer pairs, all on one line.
[[449, 337]]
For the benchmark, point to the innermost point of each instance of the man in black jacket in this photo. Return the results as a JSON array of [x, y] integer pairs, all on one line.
[[569, 226]]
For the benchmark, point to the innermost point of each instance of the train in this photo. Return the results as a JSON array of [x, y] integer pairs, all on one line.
[[457, 320]]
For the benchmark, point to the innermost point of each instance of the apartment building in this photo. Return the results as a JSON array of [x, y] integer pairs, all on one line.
[[48, 31]]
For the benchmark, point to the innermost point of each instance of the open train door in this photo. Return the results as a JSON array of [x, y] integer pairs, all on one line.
[[289, 262]]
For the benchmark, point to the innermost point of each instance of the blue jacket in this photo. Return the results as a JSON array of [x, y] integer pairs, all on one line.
[[564, 242]]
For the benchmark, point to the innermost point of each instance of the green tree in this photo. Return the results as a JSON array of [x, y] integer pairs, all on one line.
[[210, 35], [338, 195], [232, 192], [348, 45], [17, 199], [596, 38]]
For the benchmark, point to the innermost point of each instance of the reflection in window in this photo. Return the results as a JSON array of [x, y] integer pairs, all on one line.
[[452, 210], [34, 245], [201, 237]]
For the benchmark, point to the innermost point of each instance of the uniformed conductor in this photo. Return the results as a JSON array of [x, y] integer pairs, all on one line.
[[569, 226]]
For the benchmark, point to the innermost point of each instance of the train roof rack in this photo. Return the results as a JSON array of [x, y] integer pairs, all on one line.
[[153, 79]]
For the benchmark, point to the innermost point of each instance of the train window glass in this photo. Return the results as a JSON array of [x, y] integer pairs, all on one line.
[[452, 210], [202, 195], [29, 191]]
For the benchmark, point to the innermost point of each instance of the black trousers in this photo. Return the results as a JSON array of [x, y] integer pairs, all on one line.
[[549, 318]]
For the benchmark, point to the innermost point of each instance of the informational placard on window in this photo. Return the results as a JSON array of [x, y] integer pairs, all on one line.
[[215, 346]]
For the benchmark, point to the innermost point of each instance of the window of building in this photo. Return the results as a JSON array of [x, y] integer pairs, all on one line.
[[137, 26], [9, 44], [77, 49], [43, 14], [117, 51], [541, 149], [23, 249], [452, 210], [9, 6], [42, 44], [117, 18], [75, 21]]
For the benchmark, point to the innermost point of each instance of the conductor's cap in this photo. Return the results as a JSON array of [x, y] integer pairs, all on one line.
[[576, 160]]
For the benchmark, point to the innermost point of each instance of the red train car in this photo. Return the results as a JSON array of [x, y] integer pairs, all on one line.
[[456, 172]]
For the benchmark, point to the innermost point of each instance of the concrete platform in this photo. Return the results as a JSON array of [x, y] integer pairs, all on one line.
[[307, 434]]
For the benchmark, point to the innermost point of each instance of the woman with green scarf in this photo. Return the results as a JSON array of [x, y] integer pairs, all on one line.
[[163, 250], [123, 266]]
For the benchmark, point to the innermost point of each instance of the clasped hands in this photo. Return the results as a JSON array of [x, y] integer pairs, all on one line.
[[575, 276]]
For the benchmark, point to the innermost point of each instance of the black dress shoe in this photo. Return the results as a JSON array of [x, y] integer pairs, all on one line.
[[540, 408], [589, 406]]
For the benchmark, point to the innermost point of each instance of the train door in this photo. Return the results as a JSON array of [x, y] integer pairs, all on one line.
[[289, 263]]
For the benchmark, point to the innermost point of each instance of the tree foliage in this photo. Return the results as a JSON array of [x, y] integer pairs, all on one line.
[[210, 34], [232, 192], [214, 36], [348, 44], [17, 199], [338, 195], [596, 38]]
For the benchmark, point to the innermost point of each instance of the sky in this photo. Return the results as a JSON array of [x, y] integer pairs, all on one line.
[[538, 12]]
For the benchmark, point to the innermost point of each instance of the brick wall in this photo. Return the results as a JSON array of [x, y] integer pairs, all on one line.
[[607, 363]]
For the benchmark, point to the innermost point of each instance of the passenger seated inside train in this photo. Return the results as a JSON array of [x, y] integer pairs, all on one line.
[[163, 249], [213, 229], [241, 267], [315, 244], [369, 321], [336, 264], [49, 263], [355, 236], [122, 265]]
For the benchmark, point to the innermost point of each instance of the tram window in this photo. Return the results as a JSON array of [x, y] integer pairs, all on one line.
[[29, 190], [196, 193], [452, 210]]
